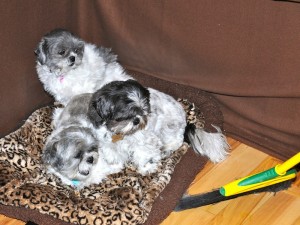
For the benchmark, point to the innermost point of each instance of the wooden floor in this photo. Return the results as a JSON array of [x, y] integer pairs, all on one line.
[[258, 209]]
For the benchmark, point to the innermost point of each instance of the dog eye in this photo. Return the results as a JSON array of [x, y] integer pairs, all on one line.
[[78, 155], [76, 50], [90, 160], [62, 52], [136, 121]]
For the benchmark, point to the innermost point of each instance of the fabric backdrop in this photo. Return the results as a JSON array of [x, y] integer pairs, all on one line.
[[246, 53]]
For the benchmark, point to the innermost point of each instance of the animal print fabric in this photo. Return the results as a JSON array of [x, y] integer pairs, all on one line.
[[123, 198]]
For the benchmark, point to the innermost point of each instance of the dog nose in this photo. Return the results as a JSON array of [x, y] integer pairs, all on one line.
[[72, 58], [84, 173], [136, 121]]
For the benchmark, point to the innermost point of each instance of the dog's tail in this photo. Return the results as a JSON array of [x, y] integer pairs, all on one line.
[[213, 145]]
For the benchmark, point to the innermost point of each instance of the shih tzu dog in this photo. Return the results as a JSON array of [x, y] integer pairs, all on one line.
[[73, 151], [130, 111], [68, 66]]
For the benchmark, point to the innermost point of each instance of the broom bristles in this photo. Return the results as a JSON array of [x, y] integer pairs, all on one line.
[[195, 201]]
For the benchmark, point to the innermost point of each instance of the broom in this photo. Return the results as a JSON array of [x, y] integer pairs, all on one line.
[[272, 180]]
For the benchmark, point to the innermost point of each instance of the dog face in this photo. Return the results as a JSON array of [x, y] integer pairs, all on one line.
[[60, 51], [122, 106], [72, 152]]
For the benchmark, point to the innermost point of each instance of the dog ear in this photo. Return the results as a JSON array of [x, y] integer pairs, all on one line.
[[50, 151], [93, 114], [40, 52]]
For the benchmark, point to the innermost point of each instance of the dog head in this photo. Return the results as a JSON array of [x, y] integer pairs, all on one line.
[[122, 106], [72, 152], [60, 51]]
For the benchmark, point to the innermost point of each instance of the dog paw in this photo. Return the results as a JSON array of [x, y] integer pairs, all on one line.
[[148, 168], [113, 157]]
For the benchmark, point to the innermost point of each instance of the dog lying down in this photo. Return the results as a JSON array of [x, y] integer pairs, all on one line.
[[84, 147]]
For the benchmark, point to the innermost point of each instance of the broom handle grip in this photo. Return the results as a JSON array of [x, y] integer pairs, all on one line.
[[282, 168]]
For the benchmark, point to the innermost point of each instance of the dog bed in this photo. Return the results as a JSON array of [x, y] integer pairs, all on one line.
[[29, 194]]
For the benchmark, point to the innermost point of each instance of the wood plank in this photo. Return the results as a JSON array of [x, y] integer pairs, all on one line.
[[9, 221], [189, 217], [237, 210], [296, 222], [280, 209]]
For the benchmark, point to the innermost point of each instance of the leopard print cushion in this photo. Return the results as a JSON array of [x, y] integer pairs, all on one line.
[[123, 198]]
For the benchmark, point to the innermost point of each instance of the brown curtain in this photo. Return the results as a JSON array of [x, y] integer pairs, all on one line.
[[246, 53], [22, 24]]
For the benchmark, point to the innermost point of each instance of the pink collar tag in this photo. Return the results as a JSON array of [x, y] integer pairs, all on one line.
[[61, 78]]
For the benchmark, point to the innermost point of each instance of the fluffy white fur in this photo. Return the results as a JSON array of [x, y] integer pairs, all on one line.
[[160, 137], [95, 67], [87, 77], [210, 144]]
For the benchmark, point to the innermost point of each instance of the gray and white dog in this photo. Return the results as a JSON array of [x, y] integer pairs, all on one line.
[[72, 149], [67, 66], [126, 112]]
